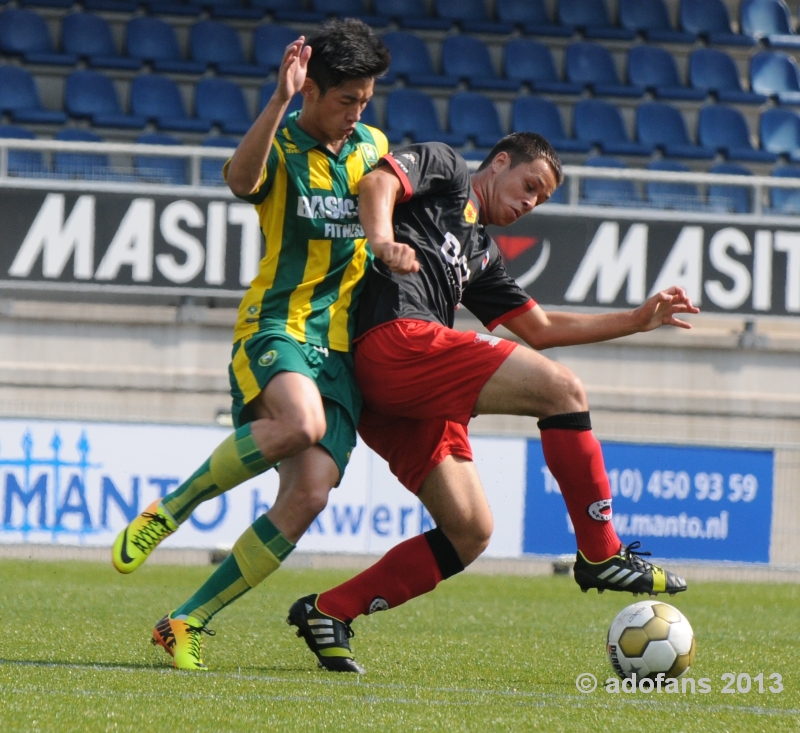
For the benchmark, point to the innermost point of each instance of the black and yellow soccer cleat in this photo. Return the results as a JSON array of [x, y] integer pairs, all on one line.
[[626, 571], [326, 636]]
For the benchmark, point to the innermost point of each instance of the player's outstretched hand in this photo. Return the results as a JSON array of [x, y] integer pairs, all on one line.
[[399, 257], [663, 308], [292, 73]]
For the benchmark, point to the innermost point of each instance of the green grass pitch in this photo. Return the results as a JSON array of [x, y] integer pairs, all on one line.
[[481, 653]]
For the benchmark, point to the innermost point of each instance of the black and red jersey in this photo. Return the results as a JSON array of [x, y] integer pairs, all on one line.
[[439, 216]]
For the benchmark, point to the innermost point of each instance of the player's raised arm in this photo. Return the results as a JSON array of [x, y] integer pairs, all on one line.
[[543, 330], [245, 171], [378, 192]]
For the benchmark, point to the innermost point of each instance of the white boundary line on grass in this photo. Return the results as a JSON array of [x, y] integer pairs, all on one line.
[[529, 699]]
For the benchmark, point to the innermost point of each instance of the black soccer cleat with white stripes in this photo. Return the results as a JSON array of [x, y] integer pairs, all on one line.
[[626, 571], [326, 636]]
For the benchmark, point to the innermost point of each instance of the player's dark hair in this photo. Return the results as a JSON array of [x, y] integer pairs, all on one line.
[[342, 50], [524, 147]]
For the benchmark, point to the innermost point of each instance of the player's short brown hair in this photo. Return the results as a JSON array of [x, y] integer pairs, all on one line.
[[347, 49], [524, 147]]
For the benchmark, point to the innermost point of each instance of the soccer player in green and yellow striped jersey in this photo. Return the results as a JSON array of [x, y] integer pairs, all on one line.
[[295, 400]]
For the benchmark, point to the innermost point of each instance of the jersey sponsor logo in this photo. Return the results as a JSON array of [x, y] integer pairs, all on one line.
[[326, 207], [470, 213], [459, 272], [344, 231], [600, 510], [268, 359], [291, 148], [369, 153]]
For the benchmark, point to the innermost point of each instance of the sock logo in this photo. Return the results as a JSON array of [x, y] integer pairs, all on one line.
[[378, 604], [600, 510]]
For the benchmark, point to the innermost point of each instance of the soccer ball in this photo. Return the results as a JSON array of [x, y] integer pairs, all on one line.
[[649, 638]]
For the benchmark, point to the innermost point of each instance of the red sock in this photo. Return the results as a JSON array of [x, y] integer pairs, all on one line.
[[405, 572], [575, 459]]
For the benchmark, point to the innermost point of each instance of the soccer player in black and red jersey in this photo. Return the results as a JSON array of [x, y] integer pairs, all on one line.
[[422, 381]]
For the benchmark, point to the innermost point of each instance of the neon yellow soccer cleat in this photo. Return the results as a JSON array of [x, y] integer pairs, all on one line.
[[180, 638], [135, 543]]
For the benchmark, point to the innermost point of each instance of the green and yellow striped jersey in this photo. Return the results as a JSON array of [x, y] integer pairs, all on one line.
[[316, 254]]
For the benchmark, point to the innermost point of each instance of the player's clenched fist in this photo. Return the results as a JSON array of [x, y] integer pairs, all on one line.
[[399, 257]]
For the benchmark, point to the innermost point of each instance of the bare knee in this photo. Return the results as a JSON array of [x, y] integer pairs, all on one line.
[[472, 538], [294, 433], [566, 393]]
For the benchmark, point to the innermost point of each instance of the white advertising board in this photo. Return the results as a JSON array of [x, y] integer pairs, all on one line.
[[80, 483]]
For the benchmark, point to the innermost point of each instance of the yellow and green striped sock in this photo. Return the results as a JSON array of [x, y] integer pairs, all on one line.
[[257, 554], [233, 461]]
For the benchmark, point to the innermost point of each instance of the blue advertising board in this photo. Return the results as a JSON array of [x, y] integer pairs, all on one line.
[[681, 502]]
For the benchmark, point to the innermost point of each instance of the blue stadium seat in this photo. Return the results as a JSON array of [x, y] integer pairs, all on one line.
[[231, 9], [90, 94], [668, 195], [88, 36], [411, 113], [19, 97], [714, 71], [25, 163], [222, 103], [112, 6], [727, 198], [292, 11], [369, 116], [710, 19], [157, 169], [153, 40], [663, 127], [725, 129], [525, 60], [172, 7], [410, 14], [269, 44], [471, 15], [475, 116], [158, 99], [465, 57], [776, 74], [536, 114], [349, 9], [779, 132], [785, 200], [653, 68], [769, 20], [532, 16], [212, 43], [46, 3], [600, 123], [211, 168], [265, 94], [92, 166], [412, 61], [651, 18], [604, 192], [591, 17], [592, 65], [24, 33]]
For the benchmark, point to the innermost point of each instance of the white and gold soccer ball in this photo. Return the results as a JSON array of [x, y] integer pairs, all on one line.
[[649, 638]]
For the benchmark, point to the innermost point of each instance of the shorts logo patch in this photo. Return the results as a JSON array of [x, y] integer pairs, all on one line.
[[600, 510], [470, 213], [378, 604], [369, 152], [491, 340], [268, 359]]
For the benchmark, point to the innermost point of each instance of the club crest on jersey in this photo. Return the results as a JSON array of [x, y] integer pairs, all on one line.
[[600, 510], [268, 359], [470, 213], [369, 153]]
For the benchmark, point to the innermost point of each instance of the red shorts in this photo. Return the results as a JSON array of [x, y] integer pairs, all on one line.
[[420, 383]]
